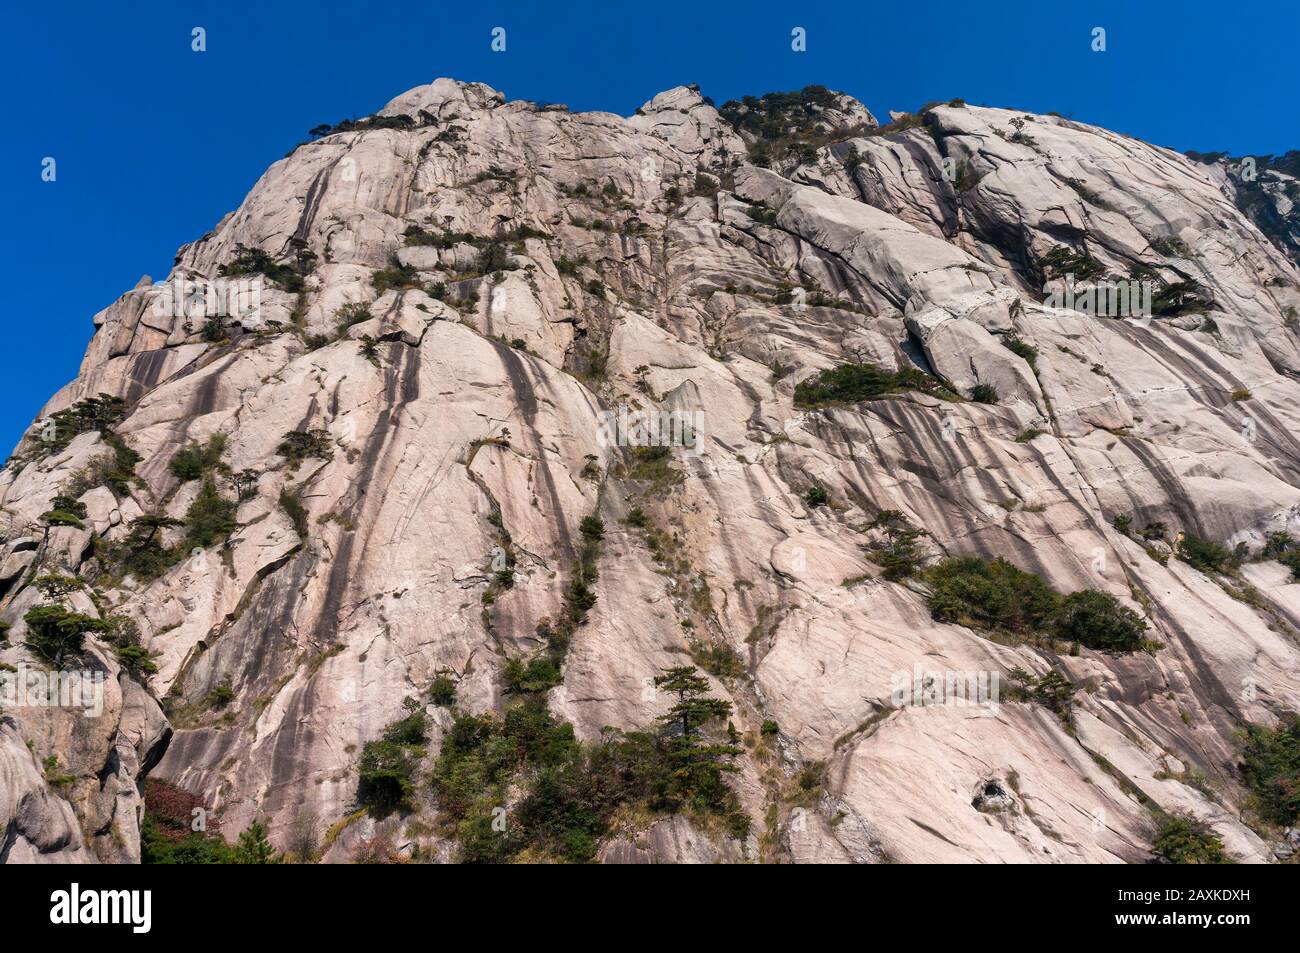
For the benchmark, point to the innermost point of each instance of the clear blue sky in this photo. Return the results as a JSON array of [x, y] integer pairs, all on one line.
[[154, 143]]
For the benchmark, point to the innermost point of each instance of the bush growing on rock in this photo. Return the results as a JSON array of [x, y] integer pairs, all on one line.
[[395, 276], [139, 552], [388, 764], [1179, 297], [1271, 766], [852, 383], [352, 313], [999, 597], [298, 445], [255, 261], [899, 556], [1097, 620], [1291, 559], [1182, 839], [1206, 555], [195, 459], [1052, 690], [538, 674], [442, 691], [93, 413], [1155, 531], [1021, 349], [254, 847], [291, 503], [209, 520], [815, 496], [971, 591], [124, 636], [1062, 261]]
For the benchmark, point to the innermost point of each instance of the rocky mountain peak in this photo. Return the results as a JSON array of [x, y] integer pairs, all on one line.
[[487, 443], [444, 98]]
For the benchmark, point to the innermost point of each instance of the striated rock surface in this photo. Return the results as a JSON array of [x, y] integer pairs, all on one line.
[[544, 268]]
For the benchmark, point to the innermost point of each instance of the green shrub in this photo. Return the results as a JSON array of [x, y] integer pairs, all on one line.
[[442, 691], [1178, 298], [1022, 349], [194, 459], [1182, 839], [395, 276], [1206, 555], [538, 674], [124, 637], [115, 470], [1062, 261], [851, 383], [495, 257], [1271, 766], [57, 585], [221, 695], [654, 465], [1097, 620], [350, 314], [254, 261], [388, 764], [968, 590], [720, 661], [291, 503], [93, 413], [571, 266], [815, 496], [1291, 559], [139, 552], [137, 662], [1275, 544], [1051, 690], [210, 519], [415, 235], [998, 597], [984, 394], [119, 470]]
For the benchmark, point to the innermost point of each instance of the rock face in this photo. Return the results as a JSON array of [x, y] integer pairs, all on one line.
[[511, 274]]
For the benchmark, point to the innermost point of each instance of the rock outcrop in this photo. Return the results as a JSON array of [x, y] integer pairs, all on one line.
[[453, 294]]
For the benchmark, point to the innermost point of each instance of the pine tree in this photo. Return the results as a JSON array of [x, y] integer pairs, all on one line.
[[693, 707], [57, 634], [695, 765], [254, 847]]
